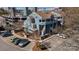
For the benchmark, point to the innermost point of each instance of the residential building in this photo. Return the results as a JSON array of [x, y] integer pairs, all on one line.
[[43, 22]]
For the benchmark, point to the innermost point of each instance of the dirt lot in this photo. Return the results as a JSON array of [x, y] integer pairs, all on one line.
[[68, 44]]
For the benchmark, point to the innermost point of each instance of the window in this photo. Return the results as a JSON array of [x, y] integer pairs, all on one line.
[[51, 25], [59, 17], [43, 20], [51, 19], [41, 27], [48, 20], [23, 18], [33, 20], [52, 16], [34, 26], [39, 20], [36, 17]]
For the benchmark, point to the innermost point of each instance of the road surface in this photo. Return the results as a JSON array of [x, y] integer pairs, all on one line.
[[5, 47]]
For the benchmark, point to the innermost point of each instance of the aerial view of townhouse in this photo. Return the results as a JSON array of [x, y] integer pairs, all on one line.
[[39, 29]]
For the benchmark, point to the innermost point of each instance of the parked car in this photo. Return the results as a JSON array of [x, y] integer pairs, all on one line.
[[23, 42], [2, 28], [16, 41], [6, 34], [43, 47]]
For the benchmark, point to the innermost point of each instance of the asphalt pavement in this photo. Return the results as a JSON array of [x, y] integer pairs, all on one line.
[[5, 47]]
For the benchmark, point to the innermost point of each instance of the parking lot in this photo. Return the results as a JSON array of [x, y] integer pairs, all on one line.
[[6, 45]]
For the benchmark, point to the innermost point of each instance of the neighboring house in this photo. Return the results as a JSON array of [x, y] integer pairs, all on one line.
[[47, 8], [2, 22], [43, 22], [24, 11]]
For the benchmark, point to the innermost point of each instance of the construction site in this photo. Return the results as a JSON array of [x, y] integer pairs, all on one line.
[[39, 28]]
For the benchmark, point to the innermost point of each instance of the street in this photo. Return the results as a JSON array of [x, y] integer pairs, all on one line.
[[5, 47]]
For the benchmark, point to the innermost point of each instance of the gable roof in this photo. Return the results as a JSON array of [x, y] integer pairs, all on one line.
[[45, 15], [34, 15]]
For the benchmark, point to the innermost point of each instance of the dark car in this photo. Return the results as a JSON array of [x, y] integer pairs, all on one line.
[[16, 41], [2, 28], [6, 34], [43, 47], [23, 42]]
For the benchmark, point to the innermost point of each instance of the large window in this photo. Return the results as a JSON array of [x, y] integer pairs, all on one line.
[[41, 27], [48, 20], [34, 26], [59, 17], [51, 25], [43, 20], [39, 20], [33, 20], [52, 17]]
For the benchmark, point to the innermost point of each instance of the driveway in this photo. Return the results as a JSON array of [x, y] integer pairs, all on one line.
[[5, 47]]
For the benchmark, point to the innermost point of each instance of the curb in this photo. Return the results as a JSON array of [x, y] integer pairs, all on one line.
[[21, 49]]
